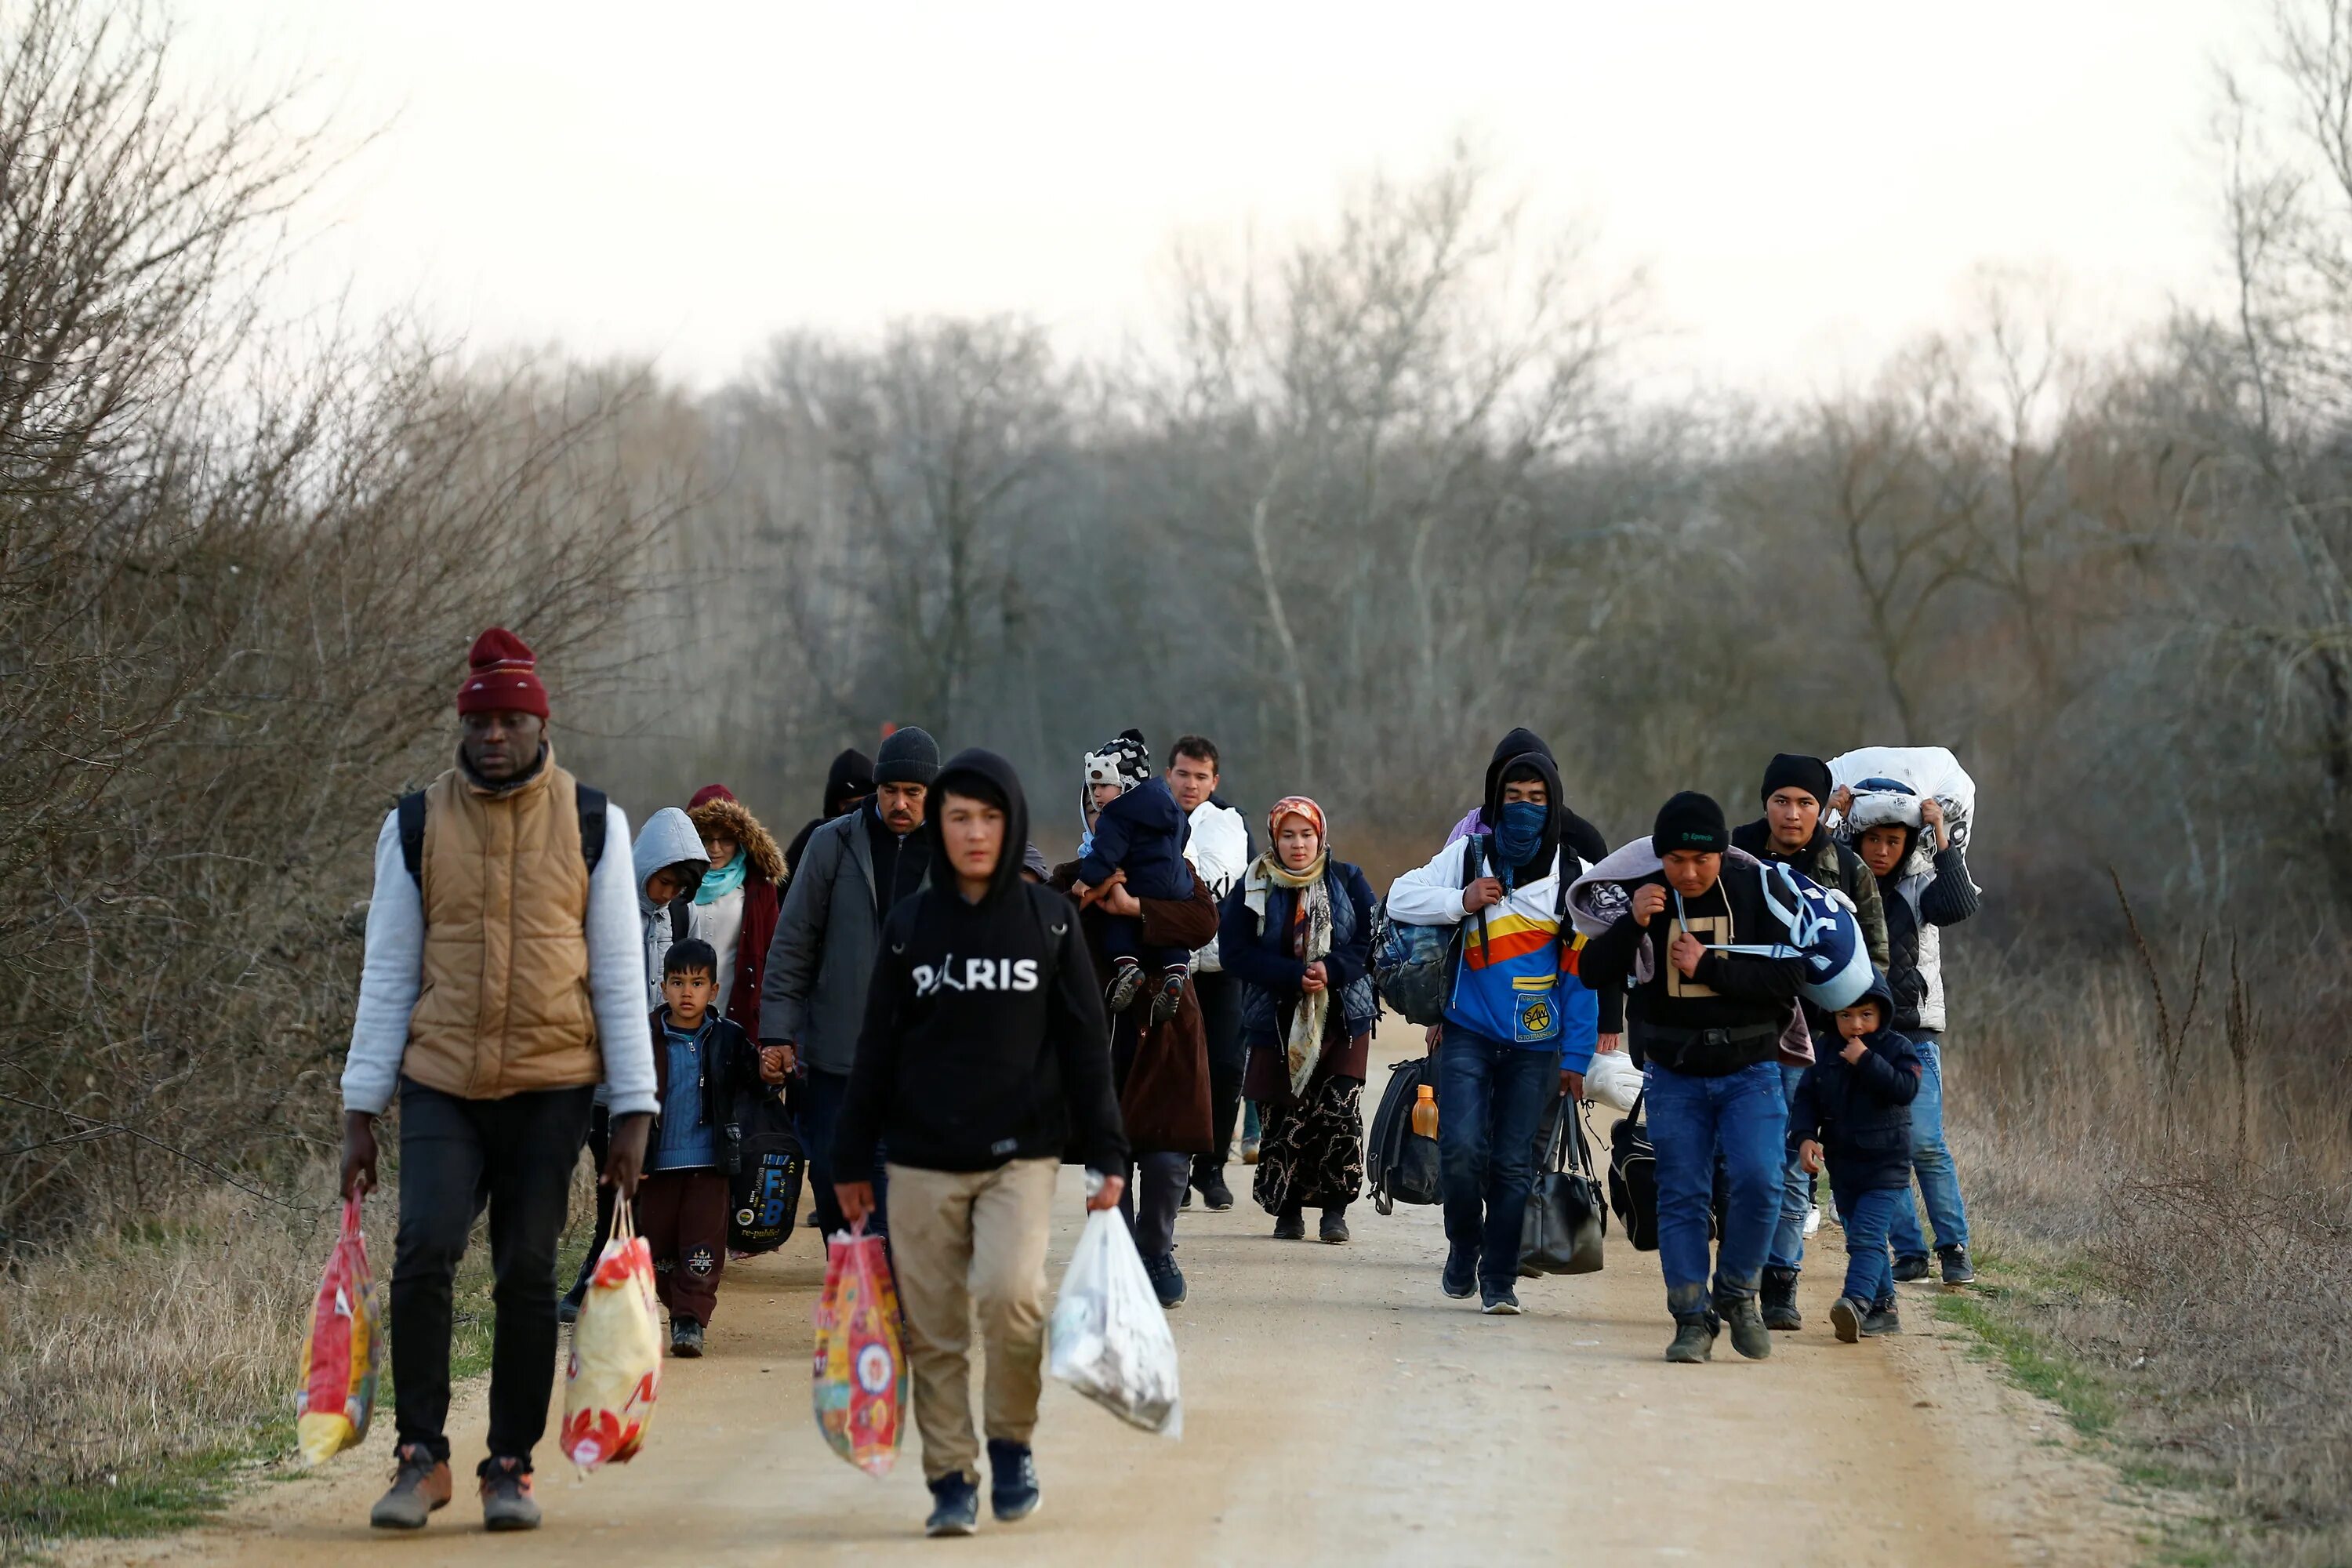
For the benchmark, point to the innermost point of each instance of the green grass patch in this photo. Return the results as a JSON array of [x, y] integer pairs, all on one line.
[[149, 1500], [2034, 1363]]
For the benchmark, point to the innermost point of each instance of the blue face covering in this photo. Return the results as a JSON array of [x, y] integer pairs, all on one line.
[[1520, 834]]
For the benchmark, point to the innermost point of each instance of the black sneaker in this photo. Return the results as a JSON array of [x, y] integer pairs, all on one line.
[[1911, 1266], [1216, 1196], [1499, 1303], [1290, 1225], [685, 1339], [1778, 1300], [1460, 1279], [1167, 1279], [1882, 1318], [1957, 1270], [1012, 1480], [1693, 1340], [1846, 1316], [955, 1506], [567, 1306], [1125, 984], [1334, 1228], [1168, 998], [1750, 1337]]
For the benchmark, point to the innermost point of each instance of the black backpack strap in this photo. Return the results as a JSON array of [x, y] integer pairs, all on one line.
[[412, 835], [593, 824], [681, 915]]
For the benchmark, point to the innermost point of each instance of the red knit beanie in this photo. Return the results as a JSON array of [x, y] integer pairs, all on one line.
[[501, 676], [706, 793]]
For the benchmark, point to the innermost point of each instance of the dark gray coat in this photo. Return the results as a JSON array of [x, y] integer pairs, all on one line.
[[827, 939]]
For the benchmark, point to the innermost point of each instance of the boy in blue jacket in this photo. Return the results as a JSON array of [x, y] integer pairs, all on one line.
[[1853, 1111], [1135, 826]]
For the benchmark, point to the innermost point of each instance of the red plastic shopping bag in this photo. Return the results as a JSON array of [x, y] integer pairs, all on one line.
[[859, 1382], [614, 1371], [341, 1356]]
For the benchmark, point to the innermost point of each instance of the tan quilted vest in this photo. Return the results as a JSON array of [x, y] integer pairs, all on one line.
[[505, 1006]]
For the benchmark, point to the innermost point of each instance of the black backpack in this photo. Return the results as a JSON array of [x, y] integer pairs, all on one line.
[[765, 1167], [1634, 1177], [1399, 1164]]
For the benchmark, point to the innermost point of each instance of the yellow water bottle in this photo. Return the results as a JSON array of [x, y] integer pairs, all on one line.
[[1424, 1113]]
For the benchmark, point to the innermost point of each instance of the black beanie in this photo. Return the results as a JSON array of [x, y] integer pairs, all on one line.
[[1690, 821], [1790, 771], [908, 756]]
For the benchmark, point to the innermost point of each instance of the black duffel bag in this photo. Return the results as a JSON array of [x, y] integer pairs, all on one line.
[[1399, 1164], [1634, 1177], [1565, 1220]]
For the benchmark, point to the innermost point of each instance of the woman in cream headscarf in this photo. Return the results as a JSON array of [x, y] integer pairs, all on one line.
[[1297, 933]]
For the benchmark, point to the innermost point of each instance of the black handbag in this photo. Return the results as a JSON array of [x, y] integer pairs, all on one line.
[[1565, 1218]]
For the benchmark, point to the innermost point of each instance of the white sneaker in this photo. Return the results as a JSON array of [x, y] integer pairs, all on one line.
[[1813, 1219]]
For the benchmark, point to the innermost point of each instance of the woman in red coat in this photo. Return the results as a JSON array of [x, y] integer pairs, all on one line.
[[735, 908]]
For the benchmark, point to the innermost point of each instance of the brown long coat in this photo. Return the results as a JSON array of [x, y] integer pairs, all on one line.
[[1162, 1074]]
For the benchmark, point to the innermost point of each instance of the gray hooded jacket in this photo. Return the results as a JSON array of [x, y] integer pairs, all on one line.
[[668, 837]]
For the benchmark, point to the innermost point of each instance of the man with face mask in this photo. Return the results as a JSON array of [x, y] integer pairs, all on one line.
[[1520, 1025]]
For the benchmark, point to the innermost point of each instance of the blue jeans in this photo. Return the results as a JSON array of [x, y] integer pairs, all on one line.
[[1869, 1276], [1796, 1192], [1931, 1160], [1490, 1095], [1741, 1121], [818, 1097]]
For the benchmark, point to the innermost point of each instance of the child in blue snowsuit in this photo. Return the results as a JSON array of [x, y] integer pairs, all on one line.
[[1853, 1109], [1137, 828]]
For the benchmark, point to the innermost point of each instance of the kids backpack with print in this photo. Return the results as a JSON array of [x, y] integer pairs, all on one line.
[[765, 1168]]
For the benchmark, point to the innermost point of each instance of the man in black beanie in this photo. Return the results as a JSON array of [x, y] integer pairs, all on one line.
[[828, 936], [1797, 795], [1707, 1022]]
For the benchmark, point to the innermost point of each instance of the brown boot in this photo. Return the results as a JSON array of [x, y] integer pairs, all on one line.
[[506, 1496], [420, 1483]]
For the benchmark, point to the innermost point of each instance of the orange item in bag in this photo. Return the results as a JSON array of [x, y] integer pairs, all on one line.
[[614, 1373], [859, 1377], [342, 1353]]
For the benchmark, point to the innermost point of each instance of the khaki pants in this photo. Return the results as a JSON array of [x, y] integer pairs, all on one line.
[[961, 1238]]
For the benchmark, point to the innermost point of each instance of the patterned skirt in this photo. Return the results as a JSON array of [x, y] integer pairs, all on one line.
[[1311, 1154]]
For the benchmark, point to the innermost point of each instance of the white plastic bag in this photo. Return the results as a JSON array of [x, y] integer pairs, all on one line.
[[1111, 1339], [1928, 769], [1612, 1080]]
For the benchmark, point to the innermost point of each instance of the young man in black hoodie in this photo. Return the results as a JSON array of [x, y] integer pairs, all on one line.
[[1707, 1024], [985, 1054]]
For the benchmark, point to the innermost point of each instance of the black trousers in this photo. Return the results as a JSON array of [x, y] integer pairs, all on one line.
[[1221, 1021], [600, 1149], [520, 1152]]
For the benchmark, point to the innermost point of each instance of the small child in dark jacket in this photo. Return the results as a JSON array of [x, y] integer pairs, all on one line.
[[1137, 828], [1854, 1108], [704, 1067]]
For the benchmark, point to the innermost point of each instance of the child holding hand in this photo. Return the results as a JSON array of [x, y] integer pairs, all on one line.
[[1853, 1113]]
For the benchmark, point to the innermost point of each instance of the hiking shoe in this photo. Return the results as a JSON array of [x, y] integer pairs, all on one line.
[[1499, 1303], [1167, 999], [1882, 1318], [567, 1306], [1750, 1337], [955, 1506], [1460, 1279], [685, 1339], [1910, 1266], [1249, 1150], [1812, 1219], [1335, 1227], [506, 1495], [1778, 1300], [1012, 1480], [1957, 1270], [420, 1483], [1290, 1225], [1693, 1340], [1216, 1196], [1167, 1279], [1846, 1316], [1125, 984]]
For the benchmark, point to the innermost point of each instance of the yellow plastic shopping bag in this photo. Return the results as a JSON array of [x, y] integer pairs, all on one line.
[[614, 1371], [341, 1352]]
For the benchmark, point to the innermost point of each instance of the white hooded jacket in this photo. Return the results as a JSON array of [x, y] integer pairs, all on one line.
[[1220, 853]]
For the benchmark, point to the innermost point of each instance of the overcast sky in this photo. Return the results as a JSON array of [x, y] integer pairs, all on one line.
[[1807, 185]]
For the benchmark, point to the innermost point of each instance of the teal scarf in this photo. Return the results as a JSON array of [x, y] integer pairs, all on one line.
[[719, 881]]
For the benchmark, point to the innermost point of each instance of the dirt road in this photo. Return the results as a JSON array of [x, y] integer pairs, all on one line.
[[1338, 1408]]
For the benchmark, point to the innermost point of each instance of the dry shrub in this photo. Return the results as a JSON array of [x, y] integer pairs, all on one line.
[[2214, 1210]]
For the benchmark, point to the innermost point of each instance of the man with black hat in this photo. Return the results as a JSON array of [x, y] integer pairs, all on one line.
[[494, 1048], [813, 999], [1796, 797], [1707, 1022]]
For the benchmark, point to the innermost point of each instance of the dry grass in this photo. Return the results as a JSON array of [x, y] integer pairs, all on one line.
[[2192, 1223]]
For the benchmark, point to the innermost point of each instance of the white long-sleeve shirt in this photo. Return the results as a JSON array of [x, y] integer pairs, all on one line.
[[1220, 853], [393, 976]]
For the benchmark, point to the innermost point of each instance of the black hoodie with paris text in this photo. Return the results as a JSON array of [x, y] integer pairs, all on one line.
[[985, 1039]]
